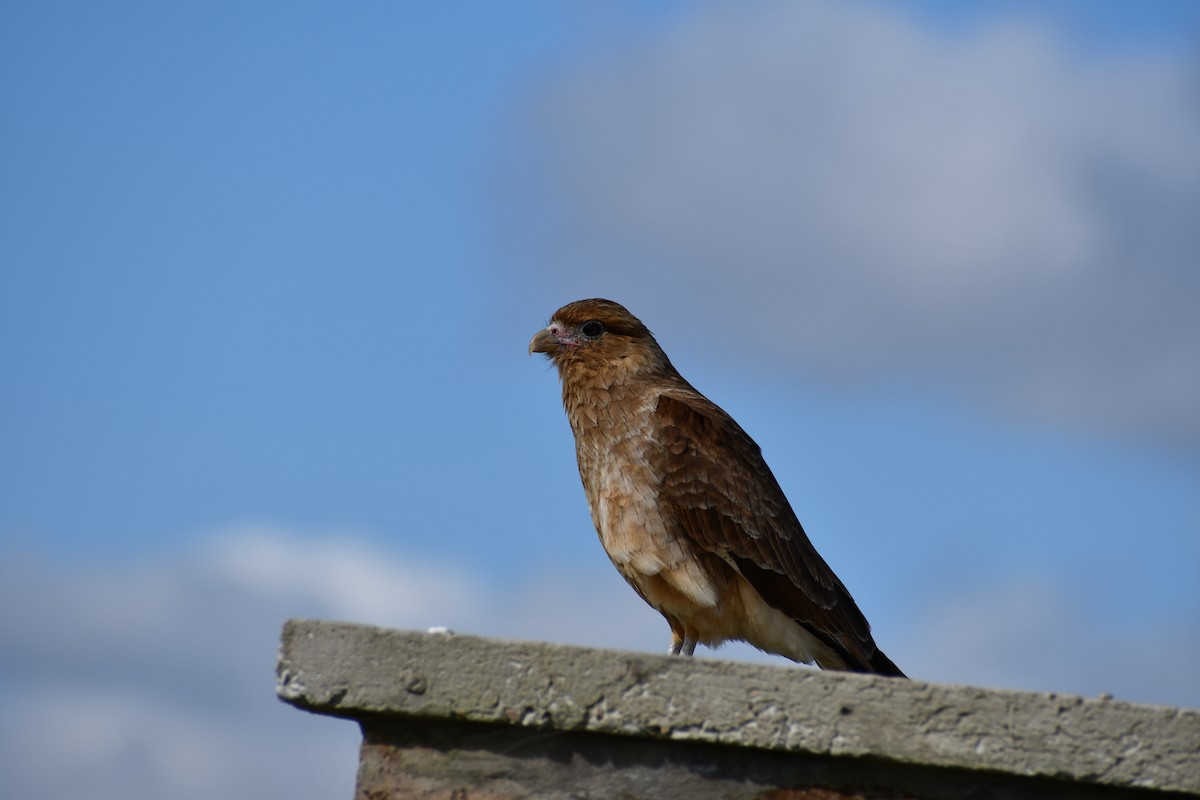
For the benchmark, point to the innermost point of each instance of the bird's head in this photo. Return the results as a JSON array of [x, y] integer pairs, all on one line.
[[597, 334]]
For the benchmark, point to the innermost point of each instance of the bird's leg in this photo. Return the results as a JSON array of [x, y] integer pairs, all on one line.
[[682, 643], [677, 637]]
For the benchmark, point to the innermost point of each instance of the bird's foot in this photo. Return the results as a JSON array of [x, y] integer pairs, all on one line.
[[682, 647]]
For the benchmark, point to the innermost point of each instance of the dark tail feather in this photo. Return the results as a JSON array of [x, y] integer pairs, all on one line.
[[878, 663], [882, 665]]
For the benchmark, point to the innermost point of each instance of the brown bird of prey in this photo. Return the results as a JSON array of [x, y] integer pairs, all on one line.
[[685, 506]]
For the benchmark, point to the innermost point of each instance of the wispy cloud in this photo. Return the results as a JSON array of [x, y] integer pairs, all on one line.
[[1030, 634], [992, 213], [345, 576], [155, 678]]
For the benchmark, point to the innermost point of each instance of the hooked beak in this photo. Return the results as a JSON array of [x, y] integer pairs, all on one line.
[[543, 342], [551, 340]]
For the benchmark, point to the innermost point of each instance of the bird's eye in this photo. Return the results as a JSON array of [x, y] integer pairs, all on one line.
[[592, 328]]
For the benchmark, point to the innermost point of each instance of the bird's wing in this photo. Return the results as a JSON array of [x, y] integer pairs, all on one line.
[[726, 500]]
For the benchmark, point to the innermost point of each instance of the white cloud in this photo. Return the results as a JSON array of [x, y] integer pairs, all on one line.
[[155, 679], [74, 740], [349, 578], [865, 197], [1029, 634]]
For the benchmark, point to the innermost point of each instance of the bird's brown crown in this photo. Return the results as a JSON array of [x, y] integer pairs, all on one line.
[[613, 316]]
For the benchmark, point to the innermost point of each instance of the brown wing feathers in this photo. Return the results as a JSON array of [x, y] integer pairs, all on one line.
[[729, 502]]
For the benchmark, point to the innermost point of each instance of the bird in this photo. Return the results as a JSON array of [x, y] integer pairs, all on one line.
[[686, 507]]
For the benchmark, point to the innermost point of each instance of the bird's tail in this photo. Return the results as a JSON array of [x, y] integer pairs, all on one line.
[[837, 655], [880, 664]]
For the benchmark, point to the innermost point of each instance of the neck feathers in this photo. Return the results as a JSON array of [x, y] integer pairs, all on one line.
[[604, 392]]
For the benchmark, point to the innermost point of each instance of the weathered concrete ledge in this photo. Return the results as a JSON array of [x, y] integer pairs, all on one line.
[[398, 683]]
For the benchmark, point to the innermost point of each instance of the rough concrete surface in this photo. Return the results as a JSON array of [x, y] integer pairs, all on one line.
[[363, 672]]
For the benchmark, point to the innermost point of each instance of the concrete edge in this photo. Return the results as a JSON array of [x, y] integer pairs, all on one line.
[[351, 670]]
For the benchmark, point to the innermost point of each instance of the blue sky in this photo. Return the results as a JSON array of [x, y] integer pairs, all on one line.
[[267, 275]]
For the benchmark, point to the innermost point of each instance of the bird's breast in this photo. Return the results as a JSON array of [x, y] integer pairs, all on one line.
[[617, 463]]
